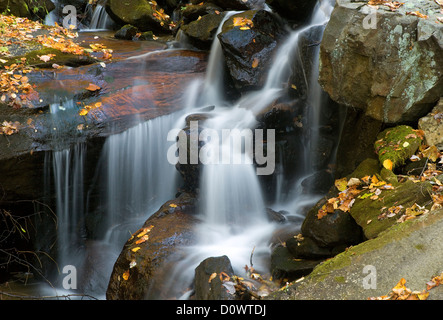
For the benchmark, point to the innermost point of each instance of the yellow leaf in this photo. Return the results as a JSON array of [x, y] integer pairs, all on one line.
[[126, 275], [135, 249], [341, 184], [142, 239], [173, 205], [388, 164], [144, 231], [83, 112]]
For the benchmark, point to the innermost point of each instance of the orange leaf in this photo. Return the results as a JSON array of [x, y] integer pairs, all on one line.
[[388, 164], [255, 62], [126, 275], [93, 87]]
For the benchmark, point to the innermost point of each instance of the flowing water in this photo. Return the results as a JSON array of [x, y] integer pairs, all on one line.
[[135, 177], [233, 212]]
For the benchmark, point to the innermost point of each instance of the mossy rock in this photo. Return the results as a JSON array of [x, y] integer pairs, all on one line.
[[366, 211], [60, 58], [367, 167], [397, 145]]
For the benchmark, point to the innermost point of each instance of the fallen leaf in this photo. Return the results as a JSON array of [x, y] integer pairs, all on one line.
[[126, 275], [46, 58], [135, 249], [388, 164], [212, 276], [255, 62], [92, 87]]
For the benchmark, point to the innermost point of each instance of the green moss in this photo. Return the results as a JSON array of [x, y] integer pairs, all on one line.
[[340, 279], [397, 144]]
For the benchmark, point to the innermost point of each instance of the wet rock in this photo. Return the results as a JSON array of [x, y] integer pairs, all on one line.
[[335, 229], [248, 53], [393, 72], [139, 270], [239, 4], [139, 13], [357, 141], [297, 11], [285, 267], [306, 248], [318, 183], [432, 127], [192, 12], [276, 216], [127, 32], [27, 9], [200, 33], [208, 287]]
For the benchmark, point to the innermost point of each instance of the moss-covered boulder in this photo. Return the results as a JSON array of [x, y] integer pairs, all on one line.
[[395, 145], [26, 8], [201, 32], [412, 250], [375, 216], [142, 14]]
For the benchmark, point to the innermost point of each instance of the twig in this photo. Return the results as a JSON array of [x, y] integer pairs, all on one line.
[[250, 258]]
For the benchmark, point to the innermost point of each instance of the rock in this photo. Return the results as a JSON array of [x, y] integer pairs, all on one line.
[[396, 145], [393, 72], [334, 229], [139, 272], [368, 167], [27, 8], [248, 53], [356, 141], [201, 32], [317, 183], [239, 4], [307, 249], [296, 10], [276, 216], [432, 127], [192, 12], [372, 220], [208, 287], [285, 267], [410, 250], [127, 32], [139, 13]]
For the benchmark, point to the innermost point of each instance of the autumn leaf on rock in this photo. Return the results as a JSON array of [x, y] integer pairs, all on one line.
[[126, 275], [388, 164], [46, 58], [92, 87], [417, 14]]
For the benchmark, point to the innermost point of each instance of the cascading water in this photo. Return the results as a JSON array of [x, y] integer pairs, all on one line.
[[232, 210], [138, 176], [100, 19]]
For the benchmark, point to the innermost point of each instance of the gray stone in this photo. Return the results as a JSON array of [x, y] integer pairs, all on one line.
[[393, 72]]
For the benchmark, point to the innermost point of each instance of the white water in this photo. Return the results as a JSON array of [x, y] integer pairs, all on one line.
[[138, 176], [100, 19], [232, 209]]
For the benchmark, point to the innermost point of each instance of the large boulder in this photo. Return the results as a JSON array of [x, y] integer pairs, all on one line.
[[248, 40], [392, 69], [139, 13], [26, 8], [145, 258]]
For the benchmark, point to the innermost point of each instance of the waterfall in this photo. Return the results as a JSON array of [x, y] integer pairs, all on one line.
[[68, 172], [100, 19], [137, 174], [232, 207]]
